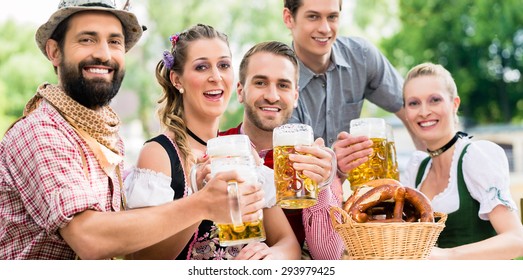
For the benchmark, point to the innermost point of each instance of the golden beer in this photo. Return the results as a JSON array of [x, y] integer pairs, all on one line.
[[233, 152], [245, 232], [392, 158], [293, 189], [229, 234], [374, 168], [392, 161]]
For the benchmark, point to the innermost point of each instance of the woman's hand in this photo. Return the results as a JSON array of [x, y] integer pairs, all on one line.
[[255, 251], [201, 172]]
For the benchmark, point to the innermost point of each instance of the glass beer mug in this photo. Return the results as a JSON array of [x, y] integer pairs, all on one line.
[[376, 166], [392, 158], [233, 152], [294, 190]]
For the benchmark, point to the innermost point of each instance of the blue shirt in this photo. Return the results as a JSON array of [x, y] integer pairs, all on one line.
[[358, 71]]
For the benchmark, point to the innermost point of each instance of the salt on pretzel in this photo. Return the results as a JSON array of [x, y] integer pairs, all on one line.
[[408, 205]]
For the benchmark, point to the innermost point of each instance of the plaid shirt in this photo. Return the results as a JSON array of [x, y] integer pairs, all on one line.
[[43, 185]]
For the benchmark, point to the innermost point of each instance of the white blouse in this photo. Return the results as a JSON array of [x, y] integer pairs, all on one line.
[[145, 187], [485, 171]]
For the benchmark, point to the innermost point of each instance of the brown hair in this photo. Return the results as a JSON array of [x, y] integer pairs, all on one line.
[[294, 5], [171, 111], [273, 47]]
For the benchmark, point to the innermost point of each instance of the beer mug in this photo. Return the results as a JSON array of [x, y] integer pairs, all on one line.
[[376, 166], [392, 159], [294, 190], [233, 152]]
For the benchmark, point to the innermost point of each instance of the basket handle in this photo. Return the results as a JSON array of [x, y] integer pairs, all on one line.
[[343, 214], [442, 217]]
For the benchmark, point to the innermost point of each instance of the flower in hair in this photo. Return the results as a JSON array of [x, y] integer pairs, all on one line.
[[174, 39], [168, 59]]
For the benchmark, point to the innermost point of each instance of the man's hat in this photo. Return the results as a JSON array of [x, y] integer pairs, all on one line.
[[132, 29]]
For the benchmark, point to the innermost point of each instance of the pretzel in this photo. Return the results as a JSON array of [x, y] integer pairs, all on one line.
[[381, 182], [396, 203], [355, 195], [359, 191]]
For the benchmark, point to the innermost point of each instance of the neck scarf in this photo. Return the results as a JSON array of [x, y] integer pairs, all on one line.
[[102, 124], [99, 128]]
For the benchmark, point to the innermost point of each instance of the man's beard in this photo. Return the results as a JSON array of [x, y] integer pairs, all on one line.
[[91, 93], [267, 125]]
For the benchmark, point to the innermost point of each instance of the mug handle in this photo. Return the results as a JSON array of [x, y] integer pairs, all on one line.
[[234, 204], [334, 169], [194, 186]]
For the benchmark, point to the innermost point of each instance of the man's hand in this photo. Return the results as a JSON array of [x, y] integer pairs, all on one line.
[[315, 161], [351, 151], [217, 199]]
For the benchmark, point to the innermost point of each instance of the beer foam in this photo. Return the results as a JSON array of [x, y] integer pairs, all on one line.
[[370, 127], [371, 132], [292, 138], [229, 145], [246, 172]]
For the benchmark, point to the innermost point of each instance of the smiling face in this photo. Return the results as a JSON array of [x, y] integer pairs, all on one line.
[[269, 92], [91, 62], [313, 27], [430, 109], [207, 78]]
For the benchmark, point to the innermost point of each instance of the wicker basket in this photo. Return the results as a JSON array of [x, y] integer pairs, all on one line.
[[387, 241]]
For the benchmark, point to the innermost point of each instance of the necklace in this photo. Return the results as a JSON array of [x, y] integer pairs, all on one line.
[[449, 144], [198, 139]]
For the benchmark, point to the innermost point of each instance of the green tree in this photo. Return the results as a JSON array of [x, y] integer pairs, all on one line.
[[22, 70], [244, 23], [479, 41]]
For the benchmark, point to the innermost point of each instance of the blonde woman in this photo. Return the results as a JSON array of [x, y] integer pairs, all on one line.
[[468, 180]]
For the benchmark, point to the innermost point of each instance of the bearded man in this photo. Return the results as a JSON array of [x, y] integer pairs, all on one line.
[[61, 163]]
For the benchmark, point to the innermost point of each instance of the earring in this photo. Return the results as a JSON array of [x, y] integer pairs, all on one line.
[[181, 90]]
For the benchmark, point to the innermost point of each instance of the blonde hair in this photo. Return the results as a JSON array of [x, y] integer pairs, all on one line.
[[436, 70]]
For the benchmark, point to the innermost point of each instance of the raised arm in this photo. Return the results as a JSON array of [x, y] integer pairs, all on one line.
[[322, 240], [101, 235]]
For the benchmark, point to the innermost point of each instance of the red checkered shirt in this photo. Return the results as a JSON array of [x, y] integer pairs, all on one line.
[[43, 185]]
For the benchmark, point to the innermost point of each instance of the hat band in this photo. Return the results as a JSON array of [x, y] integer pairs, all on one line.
[[99, 4]]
